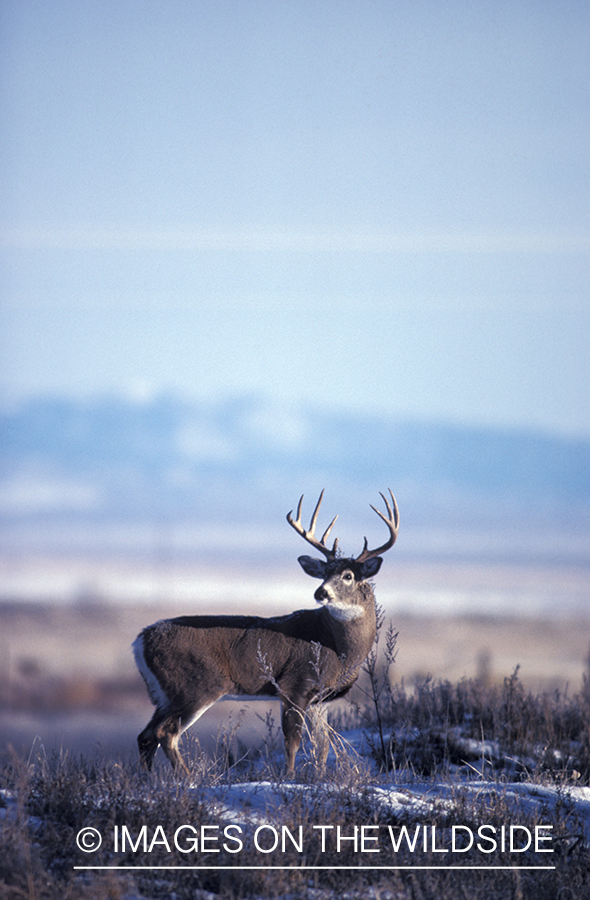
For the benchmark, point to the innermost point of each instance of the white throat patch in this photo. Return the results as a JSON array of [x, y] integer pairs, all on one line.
[[344, 612]]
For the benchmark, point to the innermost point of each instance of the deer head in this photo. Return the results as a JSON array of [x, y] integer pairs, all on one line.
[[341, 575]]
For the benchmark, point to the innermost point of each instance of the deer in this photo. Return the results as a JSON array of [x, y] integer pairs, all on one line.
[[306, 657]]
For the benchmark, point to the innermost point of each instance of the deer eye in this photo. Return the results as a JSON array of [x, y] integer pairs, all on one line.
[[347, 576]]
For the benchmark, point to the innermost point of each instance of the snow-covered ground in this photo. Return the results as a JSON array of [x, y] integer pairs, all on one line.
[[257, 801]]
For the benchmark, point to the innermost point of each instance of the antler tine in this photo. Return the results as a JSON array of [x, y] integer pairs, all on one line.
[[316, 511], [392, 522], [309, 535], [314, 519], [327, 532]]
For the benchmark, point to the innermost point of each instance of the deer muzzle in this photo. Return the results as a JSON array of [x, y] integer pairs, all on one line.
[[322, 595]]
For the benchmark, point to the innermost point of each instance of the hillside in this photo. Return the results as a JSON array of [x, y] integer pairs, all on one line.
[[68, 466]]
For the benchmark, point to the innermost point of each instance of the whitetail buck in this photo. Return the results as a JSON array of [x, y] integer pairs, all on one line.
[[310, 655]]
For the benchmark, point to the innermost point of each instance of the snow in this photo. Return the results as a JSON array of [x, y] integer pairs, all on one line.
[[255, 801]]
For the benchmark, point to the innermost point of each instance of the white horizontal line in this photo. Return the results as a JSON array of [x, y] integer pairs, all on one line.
[[315, 868]]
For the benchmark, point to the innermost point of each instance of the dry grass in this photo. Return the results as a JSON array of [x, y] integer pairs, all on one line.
[[483, 723], [58, 797], [428, 730], [474, 724]]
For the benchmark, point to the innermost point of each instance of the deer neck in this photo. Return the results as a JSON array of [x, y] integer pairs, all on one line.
[[353, 633]]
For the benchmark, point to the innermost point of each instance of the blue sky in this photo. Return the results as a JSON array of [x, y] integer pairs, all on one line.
[[382, 205]]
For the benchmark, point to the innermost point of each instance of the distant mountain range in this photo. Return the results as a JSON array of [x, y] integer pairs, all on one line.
[[244, 462]]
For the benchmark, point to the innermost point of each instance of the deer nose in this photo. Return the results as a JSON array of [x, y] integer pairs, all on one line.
[[322, 595]]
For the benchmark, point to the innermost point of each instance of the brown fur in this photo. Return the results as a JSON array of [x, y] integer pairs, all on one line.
[[195, 660]]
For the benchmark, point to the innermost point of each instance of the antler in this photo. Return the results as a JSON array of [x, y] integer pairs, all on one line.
[[392, 522], [310, 535]]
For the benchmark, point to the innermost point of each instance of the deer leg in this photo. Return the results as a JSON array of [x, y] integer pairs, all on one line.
[[319, 731], [163, 729], [292, 722], [148, 742], [166, 729], [168, 734]]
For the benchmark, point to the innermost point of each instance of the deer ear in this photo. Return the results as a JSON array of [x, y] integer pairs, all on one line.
[[370, 567], [314, 567]]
